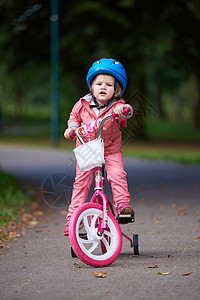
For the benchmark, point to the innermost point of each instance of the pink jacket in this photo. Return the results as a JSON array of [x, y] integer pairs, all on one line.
[[82, 114]]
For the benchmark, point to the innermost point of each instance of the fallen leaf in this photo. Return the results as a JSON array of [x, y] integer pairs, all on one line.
[[33, 223], [27, 280], [129, 229], [133, 255], [186, 274], [153, 267], [11, 224], [198, 237], [101, 274], [77, 265], [5, 239], [23, 233], [170, 255], [151, 233], [2, 229], [38, 213], [13, 234], [63, 212], [162, 206], [35, 205], [156, 221], [160, 273], [26, 217], [181, 212], [22, 267], [20, 225]]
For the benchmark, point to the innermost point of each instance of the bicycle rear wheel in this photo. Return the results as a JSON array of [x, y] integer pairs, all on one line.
[[90, 250]]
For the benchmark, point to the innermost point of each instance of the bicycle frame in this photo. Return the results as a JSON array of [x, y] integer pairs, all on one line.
[[100, 197]]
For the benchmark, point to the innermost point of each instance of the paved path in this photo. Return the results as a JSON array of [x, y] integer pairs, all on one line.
[[167, 204]]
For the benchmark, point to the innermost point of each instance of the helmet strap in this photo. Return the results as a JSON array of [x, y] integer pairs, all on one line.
[[104, 105]]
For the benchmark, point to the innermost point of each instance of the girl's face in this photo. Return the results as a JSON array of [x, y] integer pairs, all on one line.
[[103, 88]]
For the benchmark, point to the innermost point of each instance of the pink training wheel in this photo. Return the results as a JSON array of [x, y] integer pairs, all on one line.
[[94, 250]]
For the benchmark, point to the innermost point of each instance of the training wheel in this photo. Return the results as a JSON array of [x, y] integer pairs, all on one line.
[[136, 244], [73, 254]]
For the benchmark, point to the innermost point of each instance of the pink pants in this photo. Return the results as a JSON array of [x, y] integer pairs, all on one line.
[[115, 175]]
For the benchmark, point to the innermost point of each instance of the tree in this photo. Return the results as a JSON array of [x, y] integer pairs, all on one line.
[[157, 40]]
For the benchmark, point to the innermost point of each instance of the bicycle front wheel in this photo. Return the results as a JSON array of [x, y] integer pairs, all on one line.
[[94, 250]]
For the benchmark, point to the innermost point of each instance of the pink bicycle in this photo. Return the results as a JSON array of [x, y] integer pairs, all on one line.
[[94, 232]]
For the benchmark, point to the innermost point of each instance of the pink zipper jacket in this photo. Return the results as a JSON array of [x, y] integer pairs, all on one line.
[[82, 114]]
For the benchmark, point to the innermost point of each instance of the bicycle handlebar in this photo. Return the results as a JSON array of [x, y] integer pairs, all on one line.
[[72, 134], [125, 113], [84, 130]]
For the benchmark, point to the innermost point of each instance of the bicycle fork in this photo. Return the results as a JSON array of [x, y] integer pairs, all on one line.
[[99, 183]]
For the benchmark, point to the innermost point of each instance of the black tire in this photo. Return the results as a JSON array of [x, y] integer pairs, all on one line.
[[73, 254], [136, 244]]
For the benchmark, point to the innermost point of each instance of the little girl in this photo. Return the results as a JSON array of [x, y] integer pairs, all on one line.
[[107, 81]]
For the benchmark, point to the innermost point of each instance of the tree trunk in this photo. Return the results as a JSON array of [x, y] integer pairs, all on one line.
[[197, 107], [159, 99], [138, 101], [18, 103]]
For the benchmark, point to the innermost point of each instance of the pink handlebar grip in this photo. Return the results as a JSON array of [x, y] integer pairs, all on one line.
[[72, 134], [125, 112]]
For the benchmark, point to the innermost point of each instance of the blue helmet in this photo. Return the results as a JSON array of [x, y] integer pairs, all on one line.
[[108, 66]]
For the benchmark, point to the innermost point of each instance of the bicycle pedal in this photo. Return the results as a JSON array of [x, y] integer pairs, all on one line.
[[125, 219]]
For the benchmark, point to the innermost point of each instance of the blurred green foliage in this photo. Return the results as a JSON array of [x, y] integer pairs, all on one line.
[[12, 198], [157, 41]]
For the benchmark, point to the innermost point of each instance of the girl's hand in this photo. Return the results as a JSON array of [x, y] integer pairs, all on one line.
[[119, 109], [67, 131]]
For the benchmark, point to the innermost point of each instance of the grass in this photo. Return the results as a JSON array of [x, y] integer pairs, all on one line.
[[12, 198], [172, 141], [181, 153], [158, 130]]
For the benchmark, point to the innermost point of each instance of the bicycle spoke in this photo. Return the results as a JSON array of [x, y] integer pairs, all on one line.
[[86, 224], [108, 233], [94, 246], [94, 219], [105, 242]]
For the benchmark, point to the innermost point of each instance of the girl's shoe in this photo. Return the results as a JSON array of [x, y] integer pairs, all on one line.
[[125, 209], [66, 231]]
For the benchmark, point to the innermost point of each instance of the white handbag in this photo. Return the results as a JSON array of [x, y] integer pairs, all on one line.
[[90, 155]]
